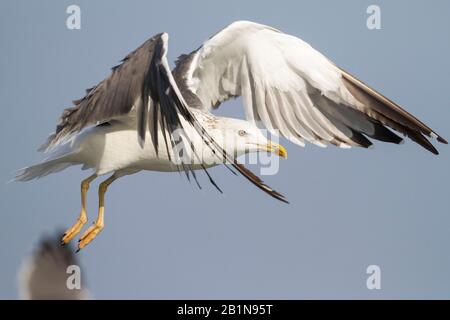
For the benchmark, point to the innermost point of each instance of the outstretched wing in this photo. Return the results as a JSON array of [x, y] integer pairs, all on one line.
[[290, 88], [142, 81]]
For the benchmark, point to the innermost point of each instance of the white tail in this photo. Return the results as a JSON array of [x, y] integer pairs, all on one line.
[[42, 169]]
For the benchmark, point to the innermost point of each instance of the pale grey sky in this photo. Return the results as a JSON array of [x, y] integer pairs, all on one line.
[[163, 238]]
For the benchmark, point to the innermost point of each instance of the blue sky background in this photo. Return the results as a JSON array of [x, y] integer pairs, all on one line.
[[164, 238]]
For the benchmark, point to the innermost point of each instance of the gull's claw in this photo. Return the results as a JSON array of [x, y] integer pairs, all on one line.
[[89, 235], [73, 231]]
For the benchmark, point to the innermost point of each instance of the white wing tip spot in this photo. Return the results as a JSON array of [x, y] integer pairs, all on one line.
[[344, 146], [320, 144]]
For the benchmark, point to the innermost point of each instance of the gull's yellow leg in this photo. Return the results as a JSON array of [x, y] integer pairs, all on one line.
[[82, 219], [95, 229]]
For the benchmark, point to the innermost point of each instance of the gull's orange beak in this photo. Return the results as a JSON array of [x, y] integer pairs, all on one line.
[[276, 148]]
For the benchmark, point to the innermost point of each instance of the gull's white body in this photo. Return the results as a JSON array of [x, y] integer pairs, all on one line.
[[112, 148], [115, 147]]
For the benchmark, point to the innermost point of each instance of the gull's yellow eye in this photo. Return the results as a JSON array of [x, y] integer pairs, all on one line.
[[242, 133]]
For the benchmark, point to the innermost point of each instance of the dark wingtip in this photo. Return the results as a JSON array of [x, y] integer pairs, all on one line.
[[277, 195], [442, 140], [141, 140], [431, 148], [280, 197], [258, 182]]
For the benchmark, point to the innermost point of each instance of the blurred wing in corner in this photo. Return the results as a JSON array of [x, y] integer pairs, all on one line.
[[44, 275]]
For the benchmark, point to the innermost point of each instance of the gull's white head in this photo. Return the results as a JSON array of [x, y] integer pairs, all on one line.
[[239, 137]]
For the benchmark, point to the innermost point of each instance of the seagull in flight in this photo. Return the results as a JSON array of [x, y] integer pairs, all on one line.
[[144, 116]]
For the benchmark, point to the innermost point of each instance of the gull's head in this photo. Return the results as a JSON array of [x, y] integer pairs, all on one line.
[[239, 137]]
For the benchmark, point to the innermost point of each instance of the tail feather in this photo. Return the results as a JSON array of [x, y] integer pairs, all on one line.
[[42, 169]]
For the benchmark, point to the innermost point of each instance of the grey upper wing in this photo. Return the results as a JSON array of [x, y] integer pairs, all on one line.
[[142, 80], [112, 97]]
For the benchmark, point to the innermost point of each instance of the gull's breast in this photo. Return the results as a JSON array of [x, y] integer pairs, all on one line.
[[116, 147]]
